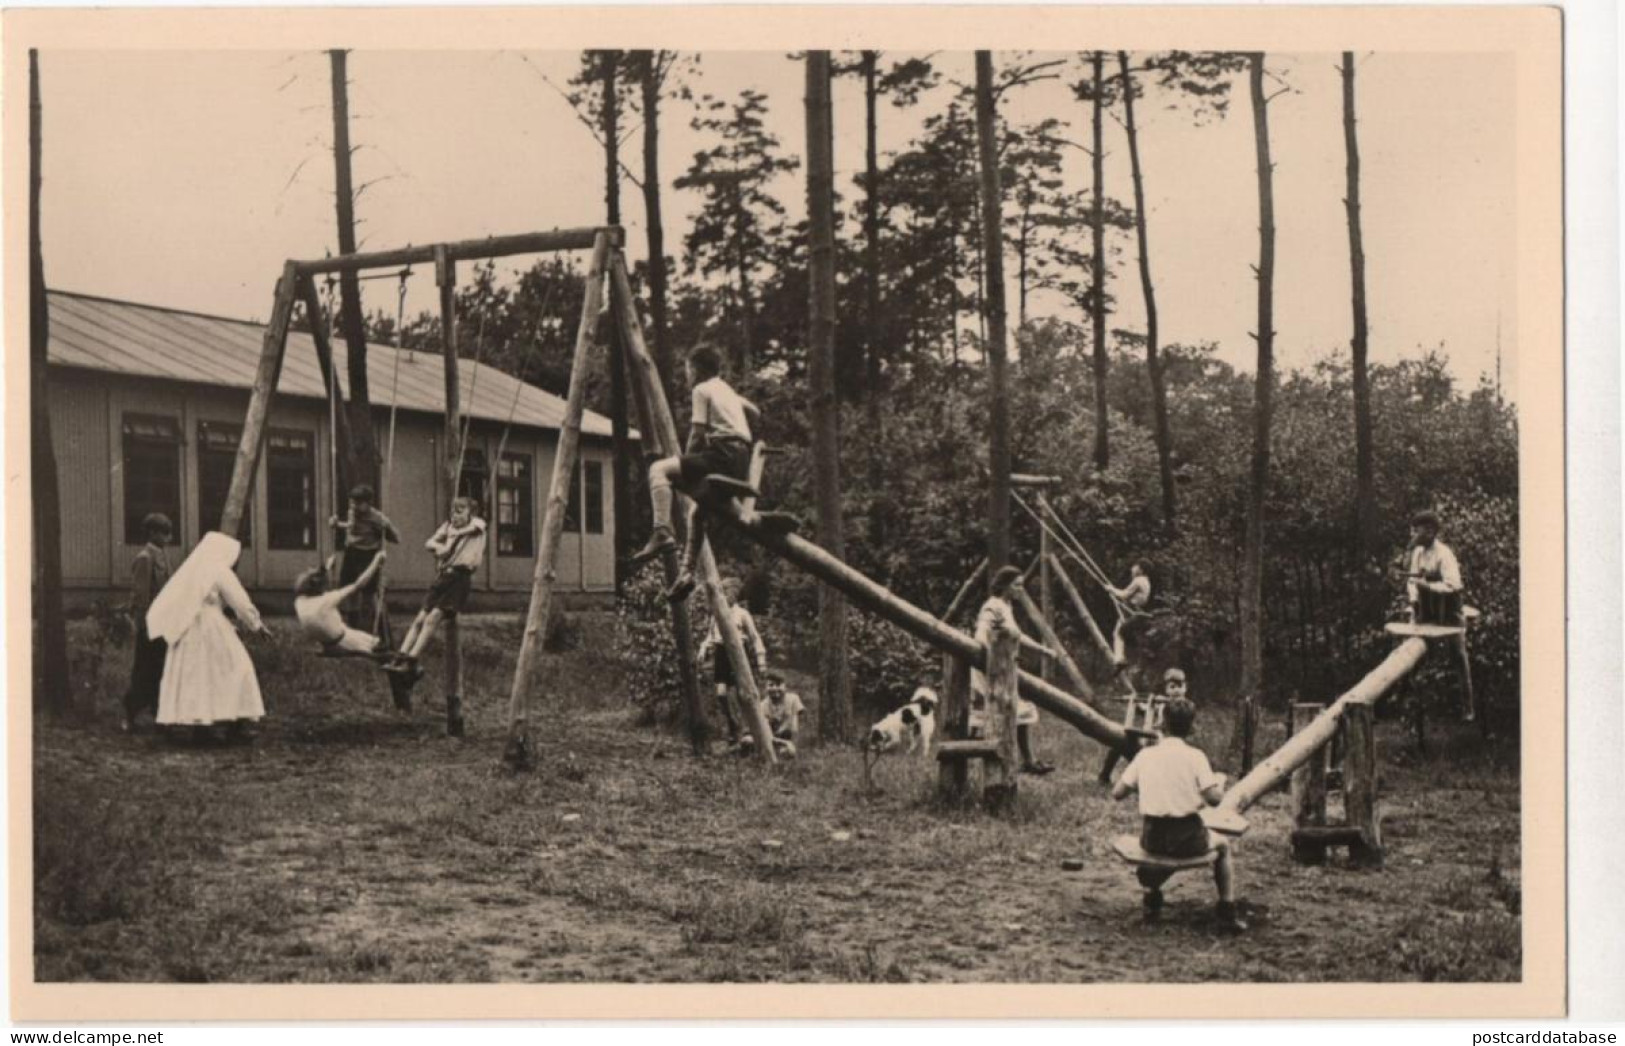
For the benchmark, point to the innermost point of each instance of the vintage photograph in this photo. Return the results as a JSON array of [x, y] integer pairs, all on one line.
[[548, 515]]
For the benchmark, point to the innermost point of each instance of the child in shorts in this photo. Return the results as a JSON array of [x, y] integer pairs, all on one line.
[[719, 443], [1175, 782], [722, 669], [459, 547]]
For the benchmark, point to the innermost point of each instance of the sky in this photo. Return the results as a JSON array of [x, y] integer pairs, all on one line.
[[185, 178]]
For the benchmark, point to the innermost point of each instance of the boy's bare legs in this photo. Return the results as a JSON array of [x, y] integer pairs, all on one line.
[[412, 632], [1224, 878], [691, 554], [431, 622], [662, 474]]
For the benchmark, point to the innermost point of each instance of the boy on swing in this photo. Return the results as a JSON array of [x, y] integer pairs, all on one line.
[[719, 443], [459, 547], [365, 531], [317, 609]]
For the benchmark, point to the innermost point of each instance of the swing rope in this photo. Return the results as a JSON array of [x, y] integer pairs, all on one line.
[[395, 380], [1072, 547], [519, 379]]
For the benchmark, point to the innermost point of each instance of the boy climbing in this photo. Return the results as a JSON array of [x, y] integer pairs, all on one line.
[[459, 547], [1136, 596], [719, 443], [1175, 781]]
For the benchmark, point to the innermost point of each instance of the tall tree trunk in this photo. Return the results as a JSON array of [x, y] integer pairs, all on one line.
[[622, 497], [1252, 581], [52, 687], [1021, 264], [1097, 276], [1364, 487], [362, 463], [834, 675], [873, 395], [1153, 351], [650, 69], [744, 359], [998, 509]]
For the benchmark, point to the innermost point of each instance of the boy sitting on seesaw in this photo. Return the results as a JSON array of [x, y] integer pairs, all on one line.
[[317, 608], [782, 709], [1175, 783], [458, 546], [719, 443]]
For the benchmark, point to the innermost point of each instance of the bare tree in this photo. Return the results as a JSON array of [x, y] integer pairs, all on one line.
[[998, 509], [52, 688], [834, 680], [362, 463], [1153, 357], [1097, 267], [1252, 579], [1364, 492]]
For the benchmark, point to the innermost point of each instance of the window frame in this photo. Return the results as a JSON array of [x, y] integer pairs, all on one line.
[[170, 436], [273, 503], [523, 486], [204, 451]]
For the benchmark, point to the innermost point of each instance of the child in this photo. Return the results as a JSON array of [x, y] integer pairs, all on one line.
[[782, 709], [365, 531], [719, 443], [318, 609], [459, 547], [1150, 711], [148, 572], [1137, 595], [997, 615], [722, 669], [1175, 782], [1433, 590]]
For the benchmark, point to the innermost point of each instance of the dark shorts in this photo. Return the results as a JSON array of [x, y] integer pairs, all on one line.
[[1438, 608], [449, 591], [727, 457], [1174, 836], [722, 669], [355, 563]]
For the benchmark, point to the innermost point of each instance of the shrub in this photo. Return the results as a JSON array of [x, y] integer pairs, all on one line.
[[887, 663], [644, 642]]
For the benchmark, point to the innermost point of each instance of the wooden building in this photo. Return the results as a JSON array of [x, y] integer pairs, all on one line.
[[147, 407]]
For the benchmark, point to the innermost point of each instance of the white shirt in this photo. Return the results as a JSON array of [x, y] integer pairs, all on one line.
[[745, 625], [1438, 564], [1170, 776], [720, 409], [319, 615], [466, 549], [784, 713]]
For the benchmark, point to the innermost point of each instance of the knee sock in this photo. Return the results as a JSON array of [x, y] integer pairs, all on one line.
[[1024, 741], [660, 496]]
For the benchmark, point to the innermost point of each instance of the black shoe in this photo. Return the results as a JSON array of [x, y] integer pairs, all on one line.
[[1037, 769], [682, 588], [1151, 905], [1227, 919], [659, 542]]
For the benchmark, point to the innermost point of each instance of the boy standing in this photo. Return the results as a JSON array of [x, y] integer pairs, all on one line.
[[997, 615], [148, 572], [459, 548], [1175, 782], [365, 531], [722, 669], [719, 443]]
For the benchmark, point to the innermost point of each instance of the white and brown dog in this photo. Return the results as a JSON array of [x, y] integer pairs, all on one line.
[[910, 726]]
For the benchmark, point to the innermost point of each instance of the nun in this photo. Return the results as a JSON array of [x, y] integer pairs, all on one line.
[[208, 677]]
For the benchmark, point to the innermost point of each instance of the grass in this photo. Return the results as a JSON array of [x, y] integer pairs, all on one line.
[[354, 844]]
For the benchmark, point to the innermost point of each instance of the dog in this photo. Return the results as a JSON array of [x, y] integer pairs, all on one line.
[[910, 726]]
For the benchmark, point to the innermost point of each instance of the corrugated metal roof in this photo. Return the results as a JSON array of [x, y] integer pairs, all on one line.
[[126, 338]]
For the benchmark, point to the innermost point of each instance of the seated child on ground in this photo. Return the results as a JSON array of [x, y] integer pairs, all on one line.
[[719, 442], [317, 608], [722, 669], [459, 547], [782, 709], [1175, 782]]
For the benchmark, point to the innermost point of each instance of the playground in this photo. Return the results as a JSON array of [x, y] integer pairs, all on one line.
[[351, 844]]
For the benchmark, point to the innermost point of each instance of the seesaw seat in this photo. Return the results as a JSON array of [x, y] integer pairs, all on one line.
[[1128, 848], [1407, 628]]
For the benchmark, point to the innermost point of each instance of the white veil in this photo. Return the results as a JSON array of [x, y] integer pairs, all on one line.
[[178, 603]]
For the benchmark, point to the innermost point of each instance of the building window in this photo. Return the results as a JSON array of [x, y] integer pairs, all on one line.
[[515, 533], [152, 472], [216, 457], [595, 497], [572, 507], [290, 489]]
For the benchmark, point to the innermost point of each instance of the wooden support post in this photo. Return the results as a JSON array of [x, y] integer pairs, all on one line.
[[964, 592], [445, 275], [1000, 787], [664, 431], [1052, 641], [330, 379], [1302, 745], [1082, 609], [467, 250], [272, 349], [953, 778], [1248, 710], [1046, 602], [518, 752], [1308, 789], [1360, 800]]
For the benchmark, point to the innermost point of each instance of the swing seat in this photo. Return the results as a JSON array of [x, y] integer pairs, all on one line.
[[379, 656], [1407, 628], [1128, 848]]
